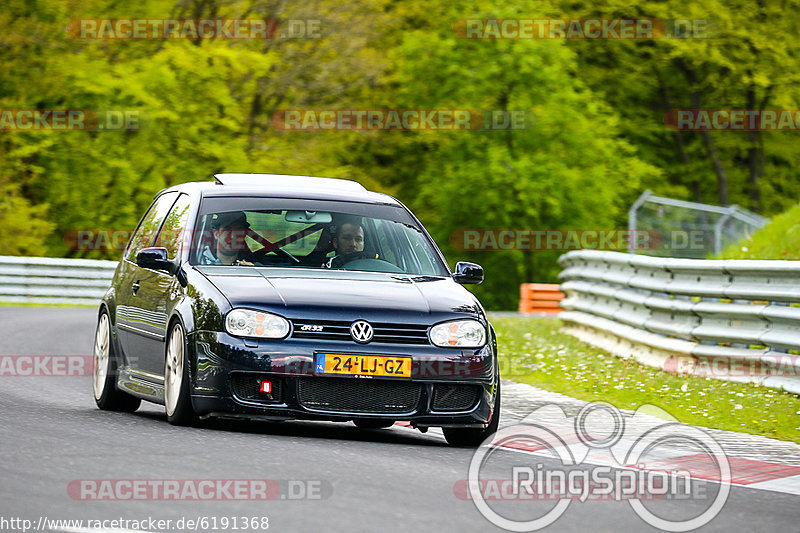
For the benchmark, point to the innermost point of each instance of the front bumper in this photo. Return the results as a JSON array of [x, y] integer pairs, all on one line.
[[220, 362]]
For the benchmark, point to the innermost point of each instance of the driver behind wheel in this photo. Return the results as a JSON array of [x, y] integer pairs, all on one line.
[[229, 231], [349, 238], [348, 242]]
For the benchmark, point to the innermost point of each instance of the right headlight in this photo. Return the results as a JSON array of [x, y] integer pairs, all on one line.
[[459, 334], [256, 324]]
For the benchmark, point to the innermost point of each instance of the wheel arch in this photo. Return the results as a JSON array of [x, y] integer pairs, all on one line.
[[179, 316], [112, 324]]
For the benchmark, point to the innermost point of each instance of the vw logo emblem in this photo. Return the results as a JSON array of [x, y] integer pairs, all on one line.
[[361, 331]]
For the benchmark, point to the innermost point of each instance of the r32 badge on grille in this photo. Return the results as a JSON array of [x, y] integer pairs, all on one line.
[[361, 331]]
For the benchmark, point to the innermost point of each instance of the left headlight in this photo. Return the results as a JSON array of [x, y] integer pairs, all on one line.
[[257, 324], [459, 334]]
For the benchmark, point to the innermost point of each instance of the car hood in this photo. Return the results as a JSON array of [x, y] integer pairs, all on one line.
[[344, 295]]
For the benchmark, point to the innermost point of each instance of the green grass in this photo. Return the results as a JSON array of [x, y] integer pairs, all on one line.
[[533, 351], [780, 239]]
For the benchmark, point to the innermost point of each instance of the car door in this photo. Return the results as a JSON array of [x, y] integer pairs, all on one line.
[[139, 331], [159, 290]]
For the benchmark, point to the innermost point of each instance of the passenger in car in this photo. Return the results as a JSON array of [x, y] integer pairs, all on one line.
[[229, 231]]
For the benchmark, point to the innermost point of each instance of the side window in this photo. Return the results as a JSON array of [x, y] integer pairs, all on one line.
[[149, 225], [174, 226]]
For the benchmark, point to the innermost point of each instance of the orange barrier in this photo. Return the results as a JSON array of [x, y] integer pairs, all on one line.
[[539, 298]]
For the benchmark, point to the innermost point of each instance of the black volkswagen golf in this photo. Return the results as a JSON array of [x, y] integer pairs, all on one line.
[[276, 297]]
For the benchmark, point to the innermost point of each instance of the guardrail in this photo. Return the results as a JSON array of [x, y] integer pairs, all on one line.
[[54, 281], [728, 319], [540, 298]]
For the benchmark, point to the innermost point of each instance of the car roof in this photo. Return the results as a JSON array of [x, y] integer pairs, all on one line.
[[285, 186]]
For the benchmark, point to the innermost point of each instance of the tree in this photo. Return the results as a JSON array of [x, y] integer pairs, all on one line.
[[735, 64]]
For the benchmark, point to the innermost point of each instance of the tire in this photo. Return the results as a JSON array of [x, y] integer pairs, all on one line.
[[472, 437], [369, 423], [104, 374], [177, 396]]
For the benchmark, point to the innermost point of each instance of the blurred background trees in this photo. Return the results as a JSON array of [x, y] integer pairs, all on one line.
[[595, 135]]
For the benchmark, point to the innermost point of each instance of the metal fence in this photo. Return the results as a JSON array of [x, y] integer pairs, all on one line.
[[54, 281], [732, 319], [690, 229]]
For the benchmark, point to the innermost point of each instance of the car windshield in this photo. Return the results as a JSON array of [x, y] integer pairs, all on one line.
[[272, 232]]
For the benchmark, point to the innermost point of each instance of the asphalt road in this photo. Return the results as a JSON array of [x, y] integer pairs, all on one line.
[[378, 480]]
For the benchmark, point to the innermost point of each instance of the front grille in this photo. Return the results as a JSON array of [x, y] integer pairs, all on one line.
[[455, 397], [356, 395], [337, 330], [248, 387]]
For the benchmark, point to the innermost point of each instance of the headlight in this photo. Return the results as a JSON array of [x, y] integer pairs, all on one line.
[[258, 324], [459, 334]]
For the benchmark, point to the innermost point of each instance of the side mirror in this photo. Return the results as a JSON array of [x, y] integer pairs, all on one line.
[[155, 259], [468, 273]]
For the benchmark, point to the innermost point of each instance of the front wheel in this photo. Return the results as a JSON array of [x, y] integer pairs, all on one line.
[[177, 397], [473, 437], [104, 375]]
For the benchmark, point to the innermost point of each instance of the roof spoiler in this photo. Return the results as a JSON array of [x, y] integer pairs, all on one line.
[[273, 181]]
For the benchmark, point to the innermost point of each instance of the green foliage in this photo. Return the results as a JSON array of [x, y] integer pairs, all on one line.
[[744, 60], [23, 228], [565, 168], [780, 239], [594, 135]]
